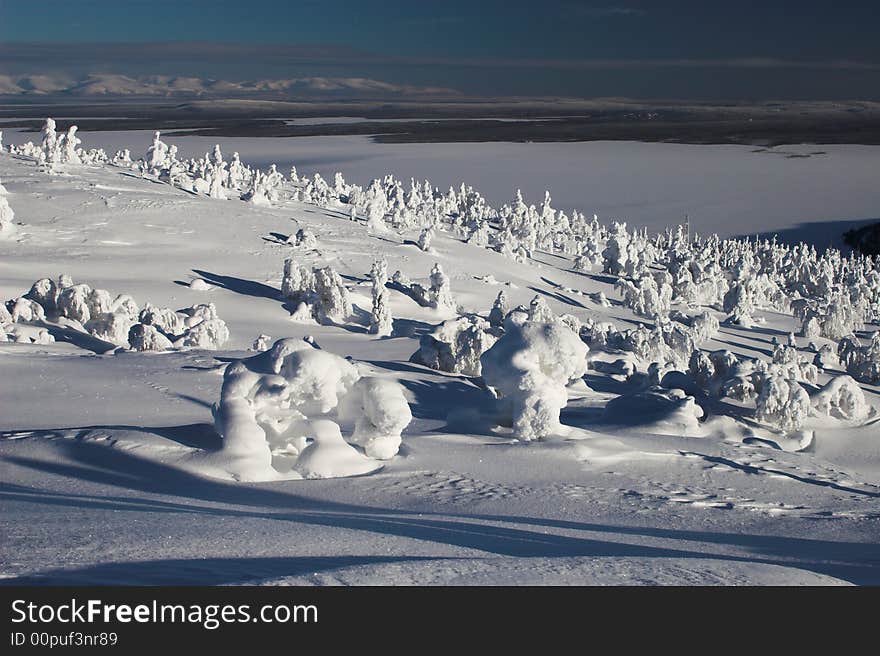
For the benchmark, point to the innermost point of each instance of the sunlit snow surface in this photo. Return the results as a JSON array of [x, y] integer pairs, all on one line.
[[100, 474]]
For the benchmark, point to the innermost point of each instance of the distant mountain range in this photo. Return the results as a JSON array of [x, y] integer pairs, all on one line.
[[111, 85]]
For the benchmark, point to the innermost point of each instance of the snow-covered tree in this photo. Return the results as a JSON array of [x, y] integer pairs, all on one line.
[[498, 311], [7, 216], [783, 404], [440, 292], [381, 322], [317, 293], [456, 345], [425, 238], [530, 367]]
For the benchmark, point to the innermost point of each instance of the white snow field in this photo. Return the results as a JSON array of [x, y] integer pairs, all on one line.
[[257, 423]]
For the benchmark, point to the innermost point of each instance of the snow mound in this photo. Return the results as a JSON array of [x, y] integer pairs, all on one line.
[[330, 456], [656, 410], [199, 285]]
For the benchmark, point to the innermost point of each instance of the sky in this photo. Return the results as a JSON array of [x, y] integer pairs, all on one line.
[[708, 49]]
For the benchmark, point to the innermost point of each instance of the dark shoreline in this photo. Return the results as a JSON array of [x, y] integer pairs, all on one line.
[[763, 124]]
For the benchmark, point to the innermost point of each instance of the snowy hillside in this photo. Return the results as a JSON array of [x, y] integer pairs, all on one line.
[[212, 373]]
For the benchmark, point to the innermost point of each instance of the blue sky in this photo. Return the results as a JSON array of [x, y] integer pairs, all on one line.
[[679, 48]]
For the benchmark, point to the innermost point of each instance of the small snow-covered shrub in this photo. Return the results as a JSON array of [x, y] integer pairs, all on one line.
[[788, 362], [259, 193], [440, 293], [425, 238], [861, 362], [210, 333], [164, 320], [530, 366], [23, 334], [146, 337], [456, 345], [498, 311], [24, 309], [319, 292], [261, 343], [739, 304], [380, 412], [701, 369], [303, 239], [73, 303], [825, 357], [539, 310], [841, 398], [783, 404], [723, 361], [743, 380]]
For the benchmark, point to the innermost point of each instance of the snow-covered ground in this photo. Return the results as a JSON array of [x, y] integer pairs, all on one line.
[[106, 463]]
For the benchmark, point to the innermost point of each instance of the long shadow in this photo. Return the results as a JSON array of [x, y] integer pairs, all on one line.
[[761, 330], [598, 277], [555, 285], [857, 562], [240, 285], [277, 238], [108, 466], [406, 291], [202, 571], [434, 400], [360, 315], [457, 531], [411, 327], [398, 365], [198, 436], [750, 469], [607, 384], [351, 278], [747, 347], [562, 298], [77, 338]]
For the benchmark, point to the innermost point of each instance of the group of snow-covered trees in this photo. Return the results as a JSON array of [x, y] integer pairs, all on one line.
[[116, 321], [58, 148]]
